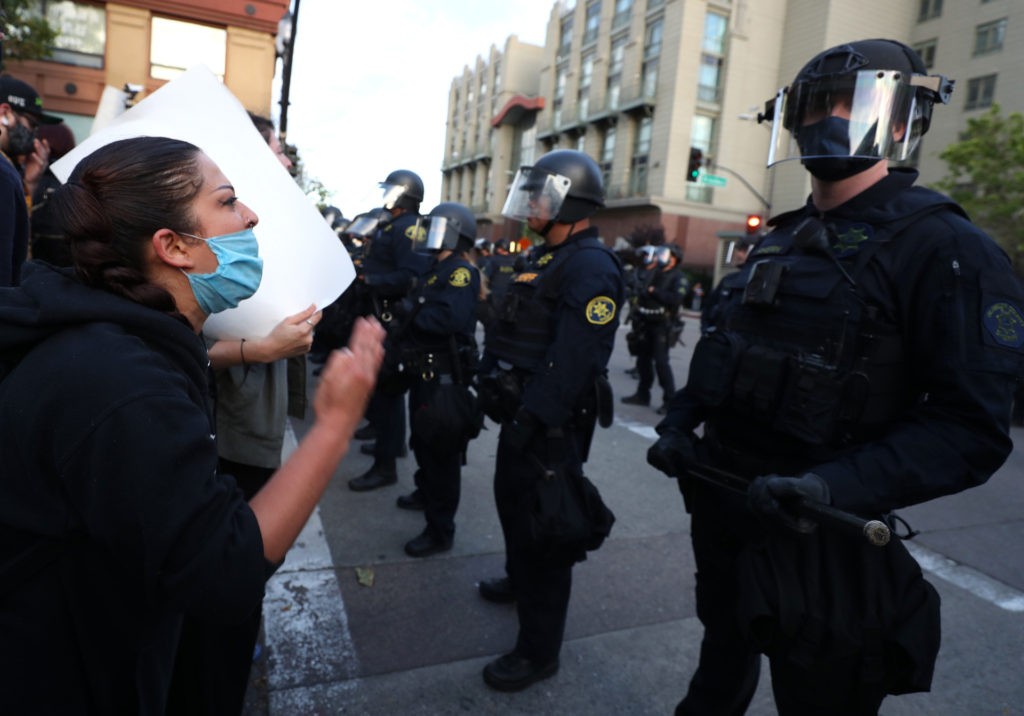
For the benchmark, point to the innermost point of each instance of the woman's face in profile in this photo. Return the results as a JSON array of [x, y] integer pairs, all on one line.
[[217, 211]]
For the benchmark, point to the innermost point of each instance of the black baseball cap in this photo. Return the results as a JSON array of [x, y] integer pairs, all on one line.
[[23, 98]]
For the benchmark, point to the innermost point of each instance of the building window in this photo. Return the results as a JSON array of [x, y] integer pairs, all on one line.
[[641, 154], [926, 50], [565, 36], [175, 46], [556, 106], [581, 143], [929, 9], [989, 37], [617, 58], [981, 92], [654, 4], [711, 59], [607, 155], [652, 49], [528, 148], [586, 77], [81, 32], [623, 10], [593, 23]]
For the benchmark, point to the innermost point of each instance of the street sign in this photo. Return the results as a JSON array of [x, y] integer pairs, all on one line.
[[711, 179]]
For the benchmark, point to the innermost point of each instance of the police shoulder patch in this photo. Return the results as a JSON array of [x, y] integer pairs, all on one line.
[[416, 233], [460, 277], [545, 259], [525, 277], [1005, 324], [600, 310]]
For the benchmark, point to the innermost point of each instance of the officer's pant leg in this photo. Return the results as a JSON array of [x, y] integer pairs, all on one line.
[[440, 486], [727, 673], [645, 364], [389, 422], [542, 588], [666, 380], [835, 689]]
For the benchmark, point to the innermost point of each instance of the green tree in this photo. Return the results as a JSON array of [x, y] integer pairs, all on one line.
[[986, 177], [24, 30]]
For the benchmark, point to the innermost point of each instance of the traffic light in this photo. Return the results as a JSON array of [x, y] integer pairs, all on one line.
[[754, 223], [696, 161]]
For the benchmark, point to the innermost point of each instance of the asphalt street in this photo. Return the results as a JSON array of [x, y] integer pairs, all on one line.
[[354, 626]]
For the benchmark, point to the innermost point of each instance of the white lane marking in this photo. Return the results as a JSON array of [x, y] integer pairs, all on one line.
[[304, 616], [978, 584], [641, 429]]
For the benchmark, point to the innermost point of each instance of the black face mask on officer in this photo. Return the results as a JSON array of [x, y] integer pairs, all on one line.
[[830, 136]]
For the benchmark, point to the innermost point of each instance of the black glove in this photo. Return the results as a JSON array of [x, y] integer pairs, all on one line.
[[778, 498], [673, 452]]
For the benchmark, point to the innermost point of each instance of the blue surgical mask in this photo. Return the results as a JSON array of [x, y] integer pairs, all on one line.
[[238, 274]]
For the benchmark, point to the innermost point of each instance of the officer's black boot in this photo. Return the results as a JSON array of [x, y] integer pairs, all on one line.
[[497, 590], [426, 544], [367, 432], [371, 449], [637, 399], [382, 473]]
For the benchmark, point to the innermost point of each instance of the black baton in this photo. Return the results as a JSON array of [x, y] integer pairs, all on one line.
[[876, 532]]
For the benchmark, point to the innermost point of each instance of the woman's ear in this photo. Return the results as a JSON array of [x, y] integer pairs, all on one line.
[[172, 249]]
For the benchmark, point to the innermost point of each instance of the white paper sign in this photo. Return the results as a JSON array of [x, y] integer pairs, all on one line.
[[303, 261]]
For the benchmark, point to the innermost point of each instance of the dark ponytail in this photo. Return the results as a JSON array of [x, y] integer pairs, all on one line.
[[113, 203]]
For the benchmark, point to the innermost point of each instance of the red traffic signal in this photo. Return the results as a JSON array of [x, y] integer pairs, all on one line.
[[754, 223]]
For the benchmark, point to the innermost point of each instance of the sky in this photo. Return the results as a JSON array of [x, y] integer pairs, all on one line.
[[370, 82]]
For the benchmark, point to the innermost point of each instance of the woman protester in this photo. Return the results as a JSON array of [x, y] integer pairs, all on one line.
[[114, 522]]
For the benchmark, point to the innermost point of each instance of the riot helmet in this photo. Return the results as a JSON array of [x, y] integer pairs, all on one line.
[[852, 106], [564, 186], [450, 227], [658, 255], [402, 189], [364, 226], [334, 218]]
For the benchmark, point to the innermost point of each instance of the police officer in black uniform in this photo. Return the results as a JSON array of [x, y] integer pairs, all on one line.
[[497, 273], [439, 351], [548, 348], [390, 269], [863, 357], [656, 323]]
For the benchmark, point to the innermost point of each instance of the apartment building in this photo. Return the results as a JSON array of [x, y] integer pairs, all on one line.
[[646, 86], [148, 42]]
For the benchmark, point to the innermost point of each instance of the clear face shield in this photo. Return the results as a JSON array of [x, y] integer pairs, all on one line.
[[442, 234], [535, 194], [870, 115], [390, 194], [365, 225]]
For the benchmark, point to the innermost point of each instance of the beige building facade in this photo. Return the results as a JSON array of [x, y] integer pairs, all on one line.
[[645, 85], [146, 43]]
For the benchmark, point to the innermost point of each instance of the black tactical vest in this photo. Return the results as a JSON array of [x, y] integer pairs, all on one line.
[[801, 361], [525, 324]]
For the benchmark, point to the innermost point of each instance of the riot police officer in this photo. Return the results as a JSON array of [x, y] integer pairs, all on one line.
[[439, 352], [656, 323], [863, 357], [497, 274], [389, 271], [547, 349]]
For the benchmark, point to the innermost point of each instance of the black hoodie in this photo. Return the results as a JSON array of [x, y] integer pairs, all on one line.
[[113, 521]]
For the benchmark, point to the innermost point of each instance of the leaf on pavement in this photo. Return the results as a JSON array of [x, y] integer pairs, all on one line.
[[364, 575]]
